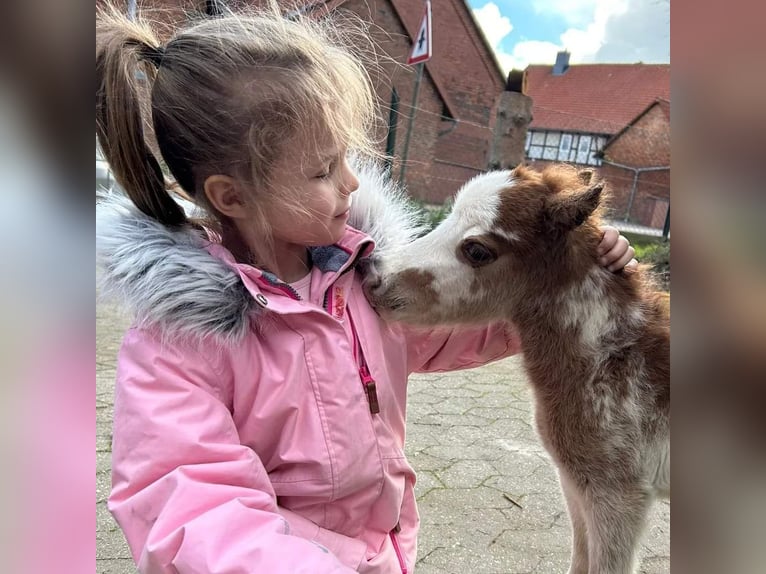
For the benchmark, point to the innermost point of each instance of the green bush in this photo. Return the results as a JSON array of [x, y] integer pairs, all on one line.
[[658, 256], [435, 214], [432, 215]]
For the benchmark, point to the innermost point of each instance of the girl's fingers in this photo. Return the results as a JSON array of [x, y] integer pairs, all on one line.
[[617, 252], [609, 240], [623, 261]]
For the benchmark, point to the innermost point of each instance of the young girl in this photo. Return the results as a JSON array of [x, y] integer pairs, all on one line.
[[260, 402]]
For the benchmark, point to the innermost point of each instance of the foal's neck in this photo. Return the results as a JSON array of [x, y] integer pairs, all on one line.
[[578, 321]]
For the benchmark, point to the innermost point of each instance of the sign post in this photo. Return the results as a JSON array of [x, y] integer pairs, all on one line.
[[420, 54]]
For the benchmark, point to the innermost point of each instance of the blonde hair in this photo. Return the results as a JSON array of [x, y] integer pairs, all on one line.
[[225, 95]]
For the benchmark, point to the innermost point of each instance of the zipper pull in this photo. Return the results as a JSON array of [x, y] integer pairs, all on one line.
[[372, 397], [369, 389]]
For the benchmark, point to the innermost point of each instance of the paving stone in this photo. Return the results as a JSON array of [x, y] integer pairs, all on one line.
[[470, 438], [115, 566], [103, 485]]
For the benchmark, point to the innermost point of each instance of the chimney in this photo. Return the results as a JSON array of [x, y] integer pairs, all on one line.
[[516, 82], [562, 63]]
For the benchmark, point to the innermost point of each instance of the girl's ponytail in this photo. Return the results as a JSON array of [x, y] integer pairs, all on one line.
[[125, 49]]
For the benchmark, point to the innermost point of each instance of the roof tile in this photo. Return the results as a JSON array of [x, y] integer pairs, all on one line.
[[598, 98]]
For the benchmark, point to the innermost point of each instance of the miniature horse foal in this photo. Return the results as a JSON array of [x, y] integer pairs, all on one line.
[[521, 245]]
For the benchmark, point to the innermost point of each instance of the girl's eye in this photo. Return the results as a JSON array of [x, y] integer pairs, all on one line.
[[477, 254], [327, 172]]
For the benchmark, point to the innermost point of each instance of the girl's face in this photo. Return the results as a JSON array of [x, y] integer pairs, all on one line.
[[322, 183]]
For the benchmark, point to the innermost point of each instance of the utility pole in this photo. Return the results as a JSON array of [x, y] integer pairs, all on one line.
[[420, 54], [393, 118], [413, 109]]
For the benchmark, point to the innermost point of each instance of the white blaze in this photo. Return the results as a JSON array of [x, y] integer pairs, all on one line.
[[475, 211]]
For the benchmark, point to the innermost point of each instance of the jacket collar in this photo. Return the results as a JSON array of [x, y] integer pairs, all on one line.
[[272, 294]]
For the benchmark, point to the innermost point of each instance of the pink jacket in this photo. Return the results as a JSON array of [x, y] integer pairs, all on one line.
[[251, 433]]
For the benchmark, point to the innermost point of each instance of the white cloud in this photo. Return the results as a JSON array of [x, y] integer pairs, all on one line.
[[494, 25], [585, 43], [533, 52], [640, 34], [599, 31]]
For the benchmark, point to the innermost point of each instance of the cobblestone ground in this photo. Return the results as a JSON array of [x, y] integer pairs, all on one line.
[[488, 496]]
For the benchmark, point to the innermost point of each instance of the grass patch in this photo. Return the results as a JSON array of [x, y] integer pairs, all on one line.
[[656, 254], [432, 215]]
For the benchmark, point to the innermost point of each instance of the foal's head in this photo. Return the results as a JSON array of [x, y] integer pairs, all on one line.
[[511, 235]]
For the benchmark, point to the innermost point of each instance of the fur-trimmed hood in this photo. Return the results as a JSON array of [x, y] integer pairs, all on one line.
[[168, 279]]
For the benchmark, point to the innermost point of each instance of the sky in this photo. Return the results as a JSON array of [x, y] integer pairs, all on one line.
[[524, 32]]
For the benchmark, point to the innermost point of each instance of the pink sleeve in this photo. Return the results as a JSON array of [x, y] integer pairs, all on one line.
[[188, 496], [450, 349]]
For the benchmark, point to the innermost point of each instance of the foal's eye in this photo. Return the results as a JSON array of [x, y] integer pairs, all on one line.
[[477, 254]]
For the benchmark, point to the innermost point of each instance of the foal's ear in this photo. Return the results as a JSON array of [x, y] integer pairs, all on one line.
[[565, 212], [585, 176]]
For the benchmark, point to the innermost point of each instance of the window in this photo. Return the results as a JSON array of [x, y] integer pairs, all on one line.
[[583, 149], [553, 138], [547, 145], [535, 152], [565, 145], [598, 144], [534, 144], [550, 153]]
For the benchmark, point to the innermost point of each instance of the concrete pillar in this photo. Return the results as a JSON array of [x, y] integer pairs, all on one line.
[[514, 113]]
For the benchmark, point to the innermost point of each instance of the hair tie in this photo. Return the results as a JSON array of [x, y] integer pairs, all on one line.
[[154, 54]]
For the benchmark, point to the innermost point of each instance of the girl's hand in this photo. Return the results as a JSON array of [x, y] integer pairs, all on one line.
[[615, 252]]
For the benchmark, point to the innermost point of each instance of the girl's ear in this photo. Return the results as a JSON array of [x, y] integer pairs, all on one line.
[[225, 196]]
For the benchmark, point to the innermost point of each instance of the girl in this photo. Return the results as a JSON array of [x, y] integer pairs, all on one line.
[[260, 402]]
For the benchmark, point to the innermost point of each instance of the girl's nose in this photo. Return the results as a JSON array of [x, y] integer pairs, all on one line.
[[350, 183]]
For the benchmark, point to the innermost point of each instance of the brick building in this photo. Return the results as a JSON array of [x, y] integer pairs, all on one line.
[[614, 117], [452, 135], [637, 162], [452, 132]]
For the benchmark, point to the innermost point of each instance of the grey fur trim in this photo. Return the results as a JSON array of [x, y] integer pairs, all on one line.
[[165, 277], [380, 209]]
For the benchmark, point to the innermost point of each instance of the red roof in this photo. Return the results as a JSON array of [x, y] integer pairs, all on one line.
[[597, 98]]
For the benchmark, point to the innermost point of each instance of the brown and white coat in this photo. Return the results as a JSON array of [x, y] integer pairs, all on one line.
[[521, 245]]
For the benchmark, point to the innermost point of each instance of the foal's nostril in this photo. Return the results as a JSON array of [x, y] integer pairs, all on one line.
[[374, 283], [372, 279]]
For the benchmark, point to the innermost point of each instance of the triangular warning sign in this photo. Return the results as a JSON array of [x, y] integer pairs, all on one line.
[[421, 45]]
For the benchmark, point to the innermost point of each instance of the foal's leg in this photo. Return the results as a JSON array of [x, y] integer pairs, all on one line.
[[573, 497], [615, 522]]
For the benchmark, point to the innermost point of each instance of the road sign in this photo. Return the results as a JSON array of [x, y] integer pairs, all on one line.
[[421, 46]]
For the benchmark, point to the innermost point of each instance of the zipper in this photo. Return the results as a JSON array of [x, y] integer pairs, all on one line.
[[368, 382], [398, 550], [369, 387]]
